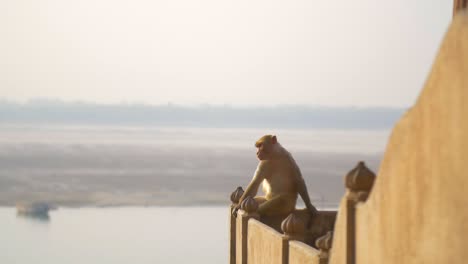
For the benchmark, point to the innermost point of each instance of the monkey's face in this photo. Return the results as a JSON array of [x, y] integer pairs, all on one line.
[[265, 147], [264, 151]]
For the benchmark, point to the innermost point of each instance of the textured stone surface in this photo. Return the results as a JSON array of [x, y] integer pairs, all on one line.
[[338, 253], [241, 237], [266, 245], [302, 253], [232, 236]]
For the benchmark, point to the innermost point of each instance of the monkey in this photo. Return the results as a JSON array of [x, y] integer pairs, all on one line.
[[282, 180]]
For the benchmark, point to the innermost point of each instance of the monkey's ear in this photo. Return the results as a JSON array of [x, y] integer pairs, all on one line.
[[274, 140]]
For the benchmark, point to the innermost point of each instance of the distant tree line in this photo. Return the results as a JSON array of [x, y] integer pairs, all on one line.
[[285, 116]]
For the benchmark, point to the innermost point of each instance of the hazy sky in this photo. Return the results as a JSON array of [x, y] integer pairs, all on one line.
[[363, 53]]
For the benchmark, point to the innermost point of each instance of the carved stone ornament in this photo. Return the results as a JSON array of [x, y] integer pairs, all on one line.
[[362, 196], [459, 5], [324, 243], [237, 194], [360, 178], [293, 225], [249, 205]]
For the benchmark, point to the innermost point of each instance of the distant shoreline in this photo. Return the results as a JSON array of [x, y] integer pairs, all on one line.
[[203, 116]]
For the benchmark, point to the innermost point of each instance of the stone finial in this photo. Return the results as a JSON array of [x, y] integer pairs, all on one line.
[[362, 196], [360, 178], [236, 195], [459, 5], [324, 243], [249, 205], [293, 226]]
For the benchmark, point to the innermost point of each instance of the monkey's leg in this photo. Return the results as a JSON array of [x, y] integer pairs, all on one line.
[[260, 199], [281, 204]]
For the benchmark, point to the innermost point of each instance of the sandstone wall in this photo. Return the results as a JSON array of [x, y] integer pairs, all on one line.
[[417, 211], [302, 253], [265, 245]]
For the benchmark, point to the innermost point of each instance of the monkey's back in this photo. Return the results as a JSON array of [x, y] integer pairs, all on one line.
[[281, 180]]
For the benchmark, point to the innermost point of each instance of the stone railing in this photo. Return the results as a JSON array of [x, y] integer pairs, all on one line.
[[359, 182], [279, 239], [286, 240]]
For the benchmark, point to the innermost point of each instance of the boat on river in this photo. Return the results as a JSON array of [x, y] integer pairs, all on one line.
[[33, 209]]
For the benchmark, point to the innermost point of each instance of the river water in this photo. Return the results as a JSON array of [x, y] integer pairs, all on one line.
[[116, 235]]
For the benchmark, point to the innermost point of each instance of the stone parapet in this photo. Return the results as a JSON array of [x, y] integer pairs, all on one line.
[[247, 212], [253, 241], [303, 253], [266, 245]]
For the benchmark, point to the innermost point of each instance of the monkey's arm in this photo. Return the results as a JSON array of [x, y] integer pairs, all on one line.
[[252, 188], [259, 176], [302, 190]]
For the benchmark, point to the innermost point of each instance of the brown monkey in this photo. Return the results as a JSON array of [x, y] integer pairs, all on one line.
[[281, 177]]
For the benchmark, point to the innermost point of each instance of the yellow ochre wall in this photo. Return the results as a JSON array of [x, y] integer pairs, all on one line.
[[265, 245], [302, 253], [417, 211]]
